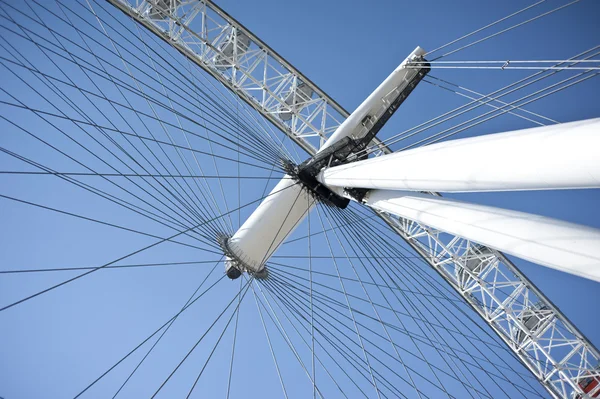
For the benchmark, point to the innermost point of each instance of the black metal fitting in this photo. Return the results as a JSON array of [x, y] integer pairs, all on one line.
[[348, 150]]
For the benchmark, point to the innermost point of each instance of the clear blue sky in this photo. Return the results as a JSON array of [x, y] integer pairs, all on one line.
[[55, 345]]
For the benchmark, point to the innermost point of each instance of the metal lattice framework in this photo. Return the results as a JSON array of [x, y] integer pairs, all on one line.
[[547, 343], [536, 331], [233, 55]]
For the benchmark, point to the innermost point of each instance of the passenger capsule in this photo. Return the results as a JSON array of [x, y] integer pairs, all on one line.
[[534, 319], [475, 262], [161, 9], [590, 385], [295, 100], [224, 58]]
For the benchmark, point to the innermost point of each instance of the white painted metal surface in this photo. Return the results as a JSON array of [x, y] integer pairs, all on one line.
[[549, 242], [563, 156], [359, 123], [274, 219]]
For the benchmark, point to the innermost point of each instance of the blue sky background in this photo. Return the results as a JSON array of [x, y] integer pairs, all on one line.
[[54, 345]]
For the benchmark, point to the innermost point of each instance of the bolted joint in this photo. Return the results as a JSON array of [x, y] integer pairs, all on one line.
[[234, 265], [350, 149], [308, 178]]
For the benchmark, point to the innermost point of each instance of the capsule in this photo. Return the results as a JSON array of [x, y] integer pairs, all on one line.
[[295, 101], [161, 9], [590, 385], [475, 261], [534, 319], [224, 58]]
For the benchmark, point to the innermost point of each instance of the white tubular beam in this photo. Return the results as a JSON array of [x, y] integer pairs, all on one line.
[[277, 216], [274, 219], [549, 242], [561, 156], [356, 125]]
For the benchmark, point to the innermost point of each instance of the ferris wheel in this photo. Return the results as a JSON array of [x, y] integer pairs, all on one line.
[[250, 237]]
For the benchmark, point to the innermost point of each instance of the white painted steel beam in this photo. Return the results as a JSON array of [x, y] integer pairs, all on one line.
[[563, 156], [564, 246], [359, 123], [263, 232]]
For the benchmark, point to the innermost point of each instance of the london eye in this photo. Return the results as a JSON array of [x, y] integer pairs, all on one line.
[[303, 199]]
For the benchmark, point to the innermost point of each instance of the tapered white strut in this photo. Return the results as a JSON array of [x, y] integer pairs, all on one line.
[[550, 157], [563, 156], [545, 241], [264, 231], [289, 202]]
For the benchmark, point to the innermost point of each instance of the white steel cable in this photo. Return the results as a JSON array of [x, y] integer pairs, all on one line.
[[508, 29], [480, 100], [469, 106], [493, 98], [437, 137], [503, 68], [485, 27]]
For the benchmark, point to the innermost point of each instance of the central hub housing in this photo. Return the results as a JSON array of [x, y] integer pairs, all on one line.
[[341, 152], [234, 264]]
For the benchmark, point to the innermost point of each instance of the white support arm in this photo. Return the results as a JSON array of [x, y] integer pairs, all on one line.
[[268, 226], [548, 242], [563, 156], [377, 102]]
